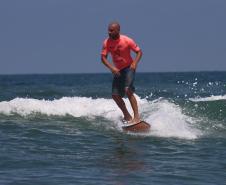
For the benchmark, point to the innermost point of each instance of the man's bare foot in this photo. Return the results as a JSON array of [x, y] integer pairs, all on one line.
[[135, 120], [128, 119]]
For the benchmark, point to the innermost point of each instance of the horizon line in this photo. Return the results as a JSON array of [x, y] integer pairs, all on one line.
[[79, 73]]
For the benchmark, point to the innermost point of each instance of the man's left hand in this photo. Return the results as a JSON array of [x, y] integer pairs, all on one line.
[[133, 66]]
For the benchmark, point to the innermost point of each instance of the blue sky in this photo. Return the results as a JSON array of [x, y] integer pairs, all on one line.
[[65, 36]]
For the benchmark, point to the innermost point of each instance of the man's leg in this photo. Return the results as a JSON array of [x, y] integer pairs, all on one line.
[[133, 103], [121, 104], [129, 90]]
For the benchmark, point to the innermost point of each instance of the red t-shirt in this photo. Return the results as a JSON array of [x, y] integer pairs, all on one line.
[[120, 50]]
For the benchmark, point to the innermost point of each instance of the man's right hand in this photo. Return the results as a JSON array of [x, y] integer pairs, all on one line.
[[115, 71]]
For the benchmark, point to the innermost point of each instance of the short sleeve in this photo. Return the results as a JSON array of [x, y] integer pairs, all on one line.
[[104, 49], [133, 45]]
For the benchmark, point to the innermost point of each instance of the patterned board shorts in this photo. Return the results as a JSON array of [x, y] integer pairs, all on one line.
[[125, 80]]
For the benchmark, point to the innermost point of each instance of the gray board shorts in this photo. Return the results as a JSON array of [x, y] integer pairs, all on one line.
[[125, 80]]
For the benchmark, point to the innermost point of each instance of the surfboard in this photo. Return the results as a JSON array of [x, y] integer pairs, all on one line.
[[141, 126]]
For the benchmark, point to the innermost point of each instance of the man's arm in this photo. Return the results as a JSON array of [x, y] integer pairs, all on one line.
[[136, 60], [113, 69]]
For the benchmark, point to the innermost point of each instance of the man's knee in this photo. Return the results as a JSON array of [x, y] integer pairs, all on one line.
[[128, 91]]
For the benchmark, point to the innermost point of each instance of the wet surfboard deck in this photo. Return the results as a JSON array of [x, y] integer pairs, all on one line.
[[141, 126]]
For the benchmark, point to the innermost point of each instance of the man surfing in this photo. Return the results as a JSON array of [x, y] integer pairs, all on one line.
[[124, 68]]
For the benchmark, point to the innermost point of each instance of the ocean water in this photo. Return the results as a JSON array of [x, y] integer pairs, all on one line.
[[66, 129]]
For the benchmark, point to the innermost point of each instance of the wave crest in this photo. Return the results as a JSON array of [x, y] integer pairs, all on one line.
[[166, 118]]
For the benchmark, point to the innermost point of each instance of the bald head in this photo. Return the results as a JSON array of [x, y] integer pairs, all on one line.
[[114, 24], [114, 30]]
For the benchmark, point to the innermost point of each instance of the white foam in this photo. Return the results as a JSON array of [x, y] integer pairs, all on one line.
[[166, 118], [74, 106], [211, 98]]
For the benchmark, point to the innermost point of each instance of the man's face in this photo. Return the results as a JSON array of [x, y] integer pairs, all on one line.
[[113, 31]]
